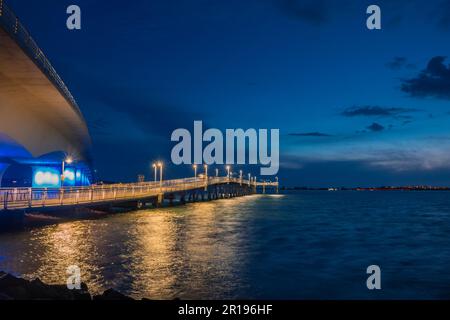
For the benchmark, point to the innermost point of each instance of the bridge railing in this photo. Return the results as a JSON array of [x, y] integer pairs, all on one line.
[[17, 198], [12, 25]]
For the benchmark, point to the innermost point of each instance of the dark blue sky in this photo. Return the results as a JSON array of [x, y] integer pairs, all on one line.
[[354, 107]]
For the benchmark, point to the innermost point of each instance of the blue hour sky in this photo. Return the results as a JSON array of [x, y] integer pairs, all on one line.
[[354, 107]]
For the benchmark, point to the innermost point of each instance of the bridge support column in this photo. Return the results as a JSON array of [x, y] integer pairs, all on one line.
[[158, 200], [170, 196]]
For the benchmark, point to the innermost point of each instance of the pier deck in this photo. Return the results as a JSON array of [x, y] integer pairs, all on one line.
[[28, 198]]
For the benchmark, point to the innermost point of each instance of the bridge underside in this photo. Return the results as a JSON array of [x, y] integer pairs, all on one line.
[[35, 117]]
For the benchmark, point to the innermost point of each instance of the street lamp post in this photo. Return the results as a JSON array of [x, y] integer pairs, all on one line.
[[155, 167], [67, 160], [206, 177], [228, 173], [160, 165], [217, 172], [249, 179], [240, 177], [195, 171], [62, 173], [276, 178]]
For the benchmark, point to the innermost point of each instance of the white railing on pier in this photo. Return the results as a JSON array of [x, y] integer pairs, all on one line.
[[22, 198]]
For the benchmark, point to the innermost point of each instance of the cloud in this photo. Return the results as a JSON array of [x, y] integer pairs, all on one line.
[[432, 13], [375, 127], [433, 82], [376, 111], [291, 162], [422, 159], [430, 153], [310, 134], [399, 63], [395, 13], [314, 12], [404, 123], [148, 113], [442, 13], [99, 126]]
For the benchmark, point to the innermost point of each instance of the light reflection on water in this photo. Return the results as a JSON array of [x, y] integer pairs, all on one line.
[[159, 253], [302, 245]]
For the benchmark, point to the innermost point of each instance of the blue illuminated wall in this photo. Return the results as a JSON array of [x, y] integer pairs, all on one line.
[[3, 167], [69, 177], [20, 169], [82, 178], [46, 177], [50, 177]]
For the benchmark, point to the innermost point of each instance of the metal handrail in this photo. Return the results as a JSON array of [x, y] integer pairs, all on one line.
[[22, 198]]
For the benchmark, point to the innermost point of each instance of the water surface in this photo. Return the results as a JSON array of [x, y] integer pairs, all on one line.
[[300, 245]]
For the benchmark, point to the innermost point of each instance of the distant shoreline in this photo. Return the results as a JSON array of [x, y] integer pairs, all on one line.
[[388, 188]]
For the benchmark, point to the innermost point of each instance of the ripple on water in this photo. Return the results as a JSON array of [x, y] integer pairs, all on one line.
[[298, 245]]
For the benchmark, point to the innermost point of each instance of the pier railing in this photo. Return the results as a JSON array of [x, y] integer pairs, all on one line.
[[23, 198]]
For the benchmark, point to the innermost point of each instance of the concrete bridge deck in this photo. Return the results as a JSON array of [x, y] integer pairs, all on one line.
[[29, 198]]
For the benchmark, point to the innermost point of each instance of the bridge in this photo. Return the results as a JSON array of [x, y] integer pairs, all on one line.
[[33, 95], [132, 195], [40, 121]]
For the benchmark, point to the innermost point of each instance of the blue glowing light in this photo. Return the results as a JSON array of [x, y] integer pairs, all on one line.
[[69, 175], [46, 177]]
